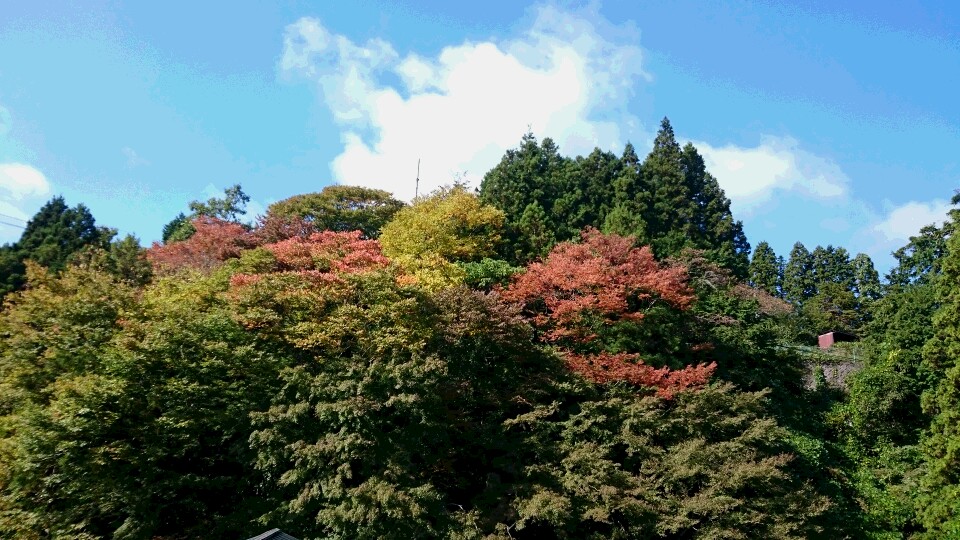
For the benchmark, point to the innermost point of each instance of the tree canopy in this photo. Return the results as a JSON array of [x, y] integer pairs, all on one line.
[[340, 208], [580, 349], [50, 239], [668, 200]]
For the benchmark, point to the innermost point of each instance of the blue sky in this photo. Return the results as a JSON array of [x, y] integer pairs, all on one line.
[[825, 123]]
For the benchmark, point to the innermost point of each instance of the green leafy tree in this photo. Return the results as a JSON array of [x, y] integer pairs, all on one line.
[[670, 213], [390, 423], [798, 283], [866, 280], [586, 192], [527, 177], [450, 225], [230, 207], [125, 259], [832, 309], [626, 215], [125, 415], [882, 421], [535, 229], [615, 466], [340, 208], [713, 228], [766, 273], [831, 265], [940, 503], [669, 200], [488, 273], [920, 259], [178, 229], [55, 335]]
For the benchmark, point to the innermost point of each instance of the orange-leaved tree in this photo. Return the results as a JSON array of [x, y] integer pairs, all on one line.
[[581, 288]]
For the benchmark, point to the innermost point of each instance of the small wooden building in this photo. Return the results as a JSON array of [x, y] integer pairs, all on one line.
[[273, 534], [827, 340]]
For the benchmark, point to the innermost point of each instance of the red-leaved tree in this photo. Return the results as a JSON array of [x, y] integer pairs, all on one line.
[[214, 241], [273, 228], [603, 280], [329, 251], [321, 257]]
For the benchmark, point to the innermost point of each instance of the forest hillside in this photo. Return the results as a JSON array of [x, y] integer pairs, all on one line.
[[581, 347]]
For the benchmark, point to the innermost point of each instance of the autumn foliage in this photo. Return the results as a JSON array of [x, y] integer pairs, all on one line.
[[608, 367], [273, 228], [345, 252], [321, 257], [603, 278], [215, 241], [603, 275]]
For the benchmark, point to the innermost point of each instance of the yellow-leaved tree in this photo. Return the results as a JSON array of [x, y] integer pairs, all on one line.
[[448, 226]]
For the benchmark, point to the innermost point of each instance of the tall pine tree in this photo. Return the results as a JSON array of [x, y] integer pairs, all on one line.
[[669, 200], [527, 177], [712, 227], [866, 280], [766, 273], [940, 502], [797, 275], [627, 208], [51, 237], [670, 212], [831, 265]]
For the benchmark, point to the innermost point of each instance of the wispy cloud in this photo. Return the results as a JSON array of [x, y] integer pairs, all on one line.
[[133, 159], [18, 181], [905, 220], [779, 180], [778, 165], [6, 122]]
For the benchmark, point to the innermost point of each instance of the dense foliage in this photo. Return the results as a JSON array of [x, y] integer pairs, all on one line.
[[583, 349], [668, 200], [51, 238], [339, 208]]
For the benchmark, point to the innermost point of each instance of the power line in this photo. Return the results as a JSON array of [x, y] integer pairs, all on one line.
[[12, 217], [12, 225]]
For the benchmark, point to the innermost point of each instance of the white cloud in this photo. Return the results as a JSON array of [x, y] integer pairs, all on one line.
[[18, 181], [902, 222], [22, 187], [346, 72], [461, 110], [751, 176]]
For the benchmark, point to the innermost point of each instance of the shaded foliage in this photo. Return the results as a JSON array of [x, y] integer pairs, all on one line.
[[766, 271]]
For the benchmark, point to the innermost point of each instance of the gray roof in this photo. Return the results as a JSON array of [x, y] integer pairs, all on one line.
[[273, 534]]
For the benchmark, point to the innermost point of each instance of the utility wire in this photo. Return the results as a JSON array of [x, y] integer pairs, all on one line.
[[12, 224], [12, 217]]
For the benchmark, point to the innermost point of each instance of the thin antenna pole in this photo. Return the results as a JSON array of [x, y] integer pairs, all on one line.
[[416, 189]]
